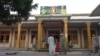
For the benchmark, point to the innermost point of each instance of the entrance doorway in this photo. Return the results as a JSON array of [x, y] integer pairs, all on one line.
[[22, 39], [73, 38], [33, 39], [55, 33]]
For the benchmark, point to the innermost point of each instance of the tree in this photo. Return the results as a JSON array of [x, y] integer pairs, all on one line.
[[22, 7]]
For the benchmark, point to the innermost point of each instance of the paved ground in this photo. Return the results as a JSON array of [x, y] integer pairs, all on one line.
[[31, 53]]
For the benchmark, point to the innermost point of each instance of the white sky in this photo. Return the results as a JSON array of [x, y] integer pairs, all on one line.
[[73, 6]]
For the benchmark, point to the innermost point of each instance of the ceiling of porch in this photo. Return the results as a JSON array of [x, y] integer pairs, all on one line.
[[52, 23]]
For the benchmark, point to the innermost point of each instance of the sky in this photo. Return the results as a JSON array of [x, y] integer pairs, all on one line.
[[73, 6]]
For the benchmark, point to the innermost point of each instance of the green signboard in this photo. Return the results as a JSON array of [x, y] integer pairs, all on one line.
[[47, 10]]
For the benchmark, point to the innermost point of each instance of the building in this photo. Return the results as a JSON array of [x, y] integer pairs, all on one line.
[[24, 34], [78, 30]]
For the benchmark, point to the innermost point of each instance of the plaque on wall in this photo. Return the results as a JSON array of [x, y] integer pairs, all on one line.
[[48, 10]]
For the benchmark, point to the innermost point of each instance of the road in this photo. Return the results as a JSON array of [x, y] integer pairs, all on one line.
[[32, 53]]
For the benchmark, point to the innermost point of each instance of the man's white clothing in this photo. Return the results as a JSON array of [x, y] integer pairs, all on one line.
[[99, 41], [51, 45], [95, 44], [34, 41]]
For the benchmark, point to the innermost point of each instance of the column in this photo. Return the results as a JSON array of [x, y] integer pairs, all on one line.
[[65, 20], [11, 40], [39, 39], [41, 42], [27, 39], [81, 39], [88, 24], [18, 35], [43, 37]]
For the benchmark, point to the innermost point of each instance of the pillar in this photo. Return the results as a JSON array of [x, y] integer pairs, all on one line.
[[18, 35], [88, 24], [27, 39], [80, 35], [43, 37], [39, 39], [11, 40], [65, 20], [41, 42]]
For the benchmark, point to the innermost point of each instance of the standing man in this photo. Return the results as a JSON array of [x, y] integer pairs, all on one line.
[[51, 43], [34, 43], [62, 44], [99, 45], [94, 44]]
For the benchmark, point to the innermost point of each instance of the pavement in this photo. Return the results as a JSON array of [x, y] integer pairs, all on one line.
[[34, 53]]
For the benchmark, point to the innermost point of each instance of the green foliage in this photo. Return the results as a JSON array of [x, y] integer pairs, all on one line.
[[22, 7]]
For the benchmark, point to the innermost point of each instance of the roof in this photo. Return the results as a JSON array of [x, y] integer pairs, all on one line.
[[79, 14], [96, 11]]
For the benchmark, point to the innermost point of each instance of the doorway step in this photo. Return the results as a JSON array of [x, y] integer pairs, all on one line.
[[43, 50], [81, 49], [73, 49]]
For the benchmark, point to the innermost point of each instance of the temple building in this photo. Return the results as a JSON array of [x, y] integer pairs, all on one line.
[[78, 30]]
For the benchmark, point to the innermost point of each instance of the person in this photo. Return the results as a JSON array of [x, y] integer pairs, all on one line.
[[62, 44], [94, 44], [52, 10], [57, 45], [34, 43], [51, 43], [99, 45]]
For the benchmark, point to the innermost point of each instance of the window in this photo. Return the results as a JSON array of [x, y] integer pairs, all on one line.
[[73, 36], [7, 38], [4, 36], [33, 35], [23, 34], [1, 38]]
